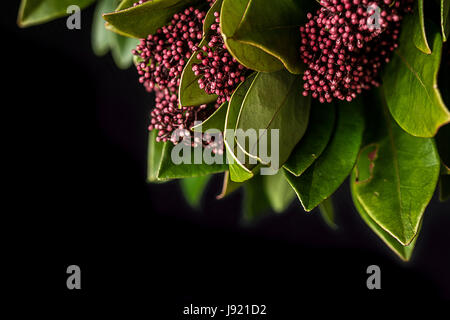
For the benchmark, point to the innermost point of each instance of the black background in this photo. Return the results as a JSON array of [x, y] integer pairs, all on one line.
[[76, 136]]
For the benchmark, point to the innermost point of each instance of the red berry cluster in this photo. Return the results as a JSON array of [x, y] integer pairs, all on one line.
[[164, 54], [162, 59], [220, 72], [346, 43], [168, 118]]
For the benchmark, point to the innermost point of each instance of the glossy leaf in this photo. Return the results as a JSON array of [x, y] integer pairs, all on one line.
[[121, 48], [256, 33], [104, 40], [250, 56], [34, 12], [170, 170], [445, 17], [190, 93], [328, 172], [216, 121], [155, 151], [326, 209], [193, 189], [404, 252], [145, 19], [419, 33], [410, 85], [278, 191], [256, 204], [395, 176], [100, 37], [210, 16], [275, 101], [238, 171], [317, 136]]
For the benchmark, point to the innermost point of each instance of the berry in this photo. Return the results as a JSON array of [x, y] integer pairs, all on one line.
[[163, 55], [162, 59], [220, 72], [168, 119], [344, 49]]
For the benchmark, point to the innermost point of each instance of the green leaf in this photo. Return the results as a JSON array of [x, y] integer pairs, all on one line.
[[193, 189], [256, 33], [395, 176], [317, 136], [229, 186], [147, 18], [410, 85], [256, 204], [121, 48], [419, 34], [238, 171], [210, 16], [155, 151], [33, 12], [190, 93], [328, 172], [100, 37], [170, 170], [275, 101], [326, 209], [250, 56], [444, 188], [278, 191], [404, 252], [445, 24], [103, 39], [215, 121]]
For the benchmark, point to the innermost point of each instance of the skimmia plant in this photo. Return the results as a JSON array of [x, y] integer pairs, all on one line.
[[353, 88]]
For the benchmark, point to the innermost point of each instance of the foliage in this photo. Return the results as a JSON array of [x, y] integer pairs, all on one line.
[[391, 142]]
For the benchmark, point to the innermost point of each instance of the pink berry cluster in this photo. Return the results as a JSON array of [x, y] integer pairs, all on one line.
[[346, 43], [164, 54], [220, 72], [168, 118], [162, 59]]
